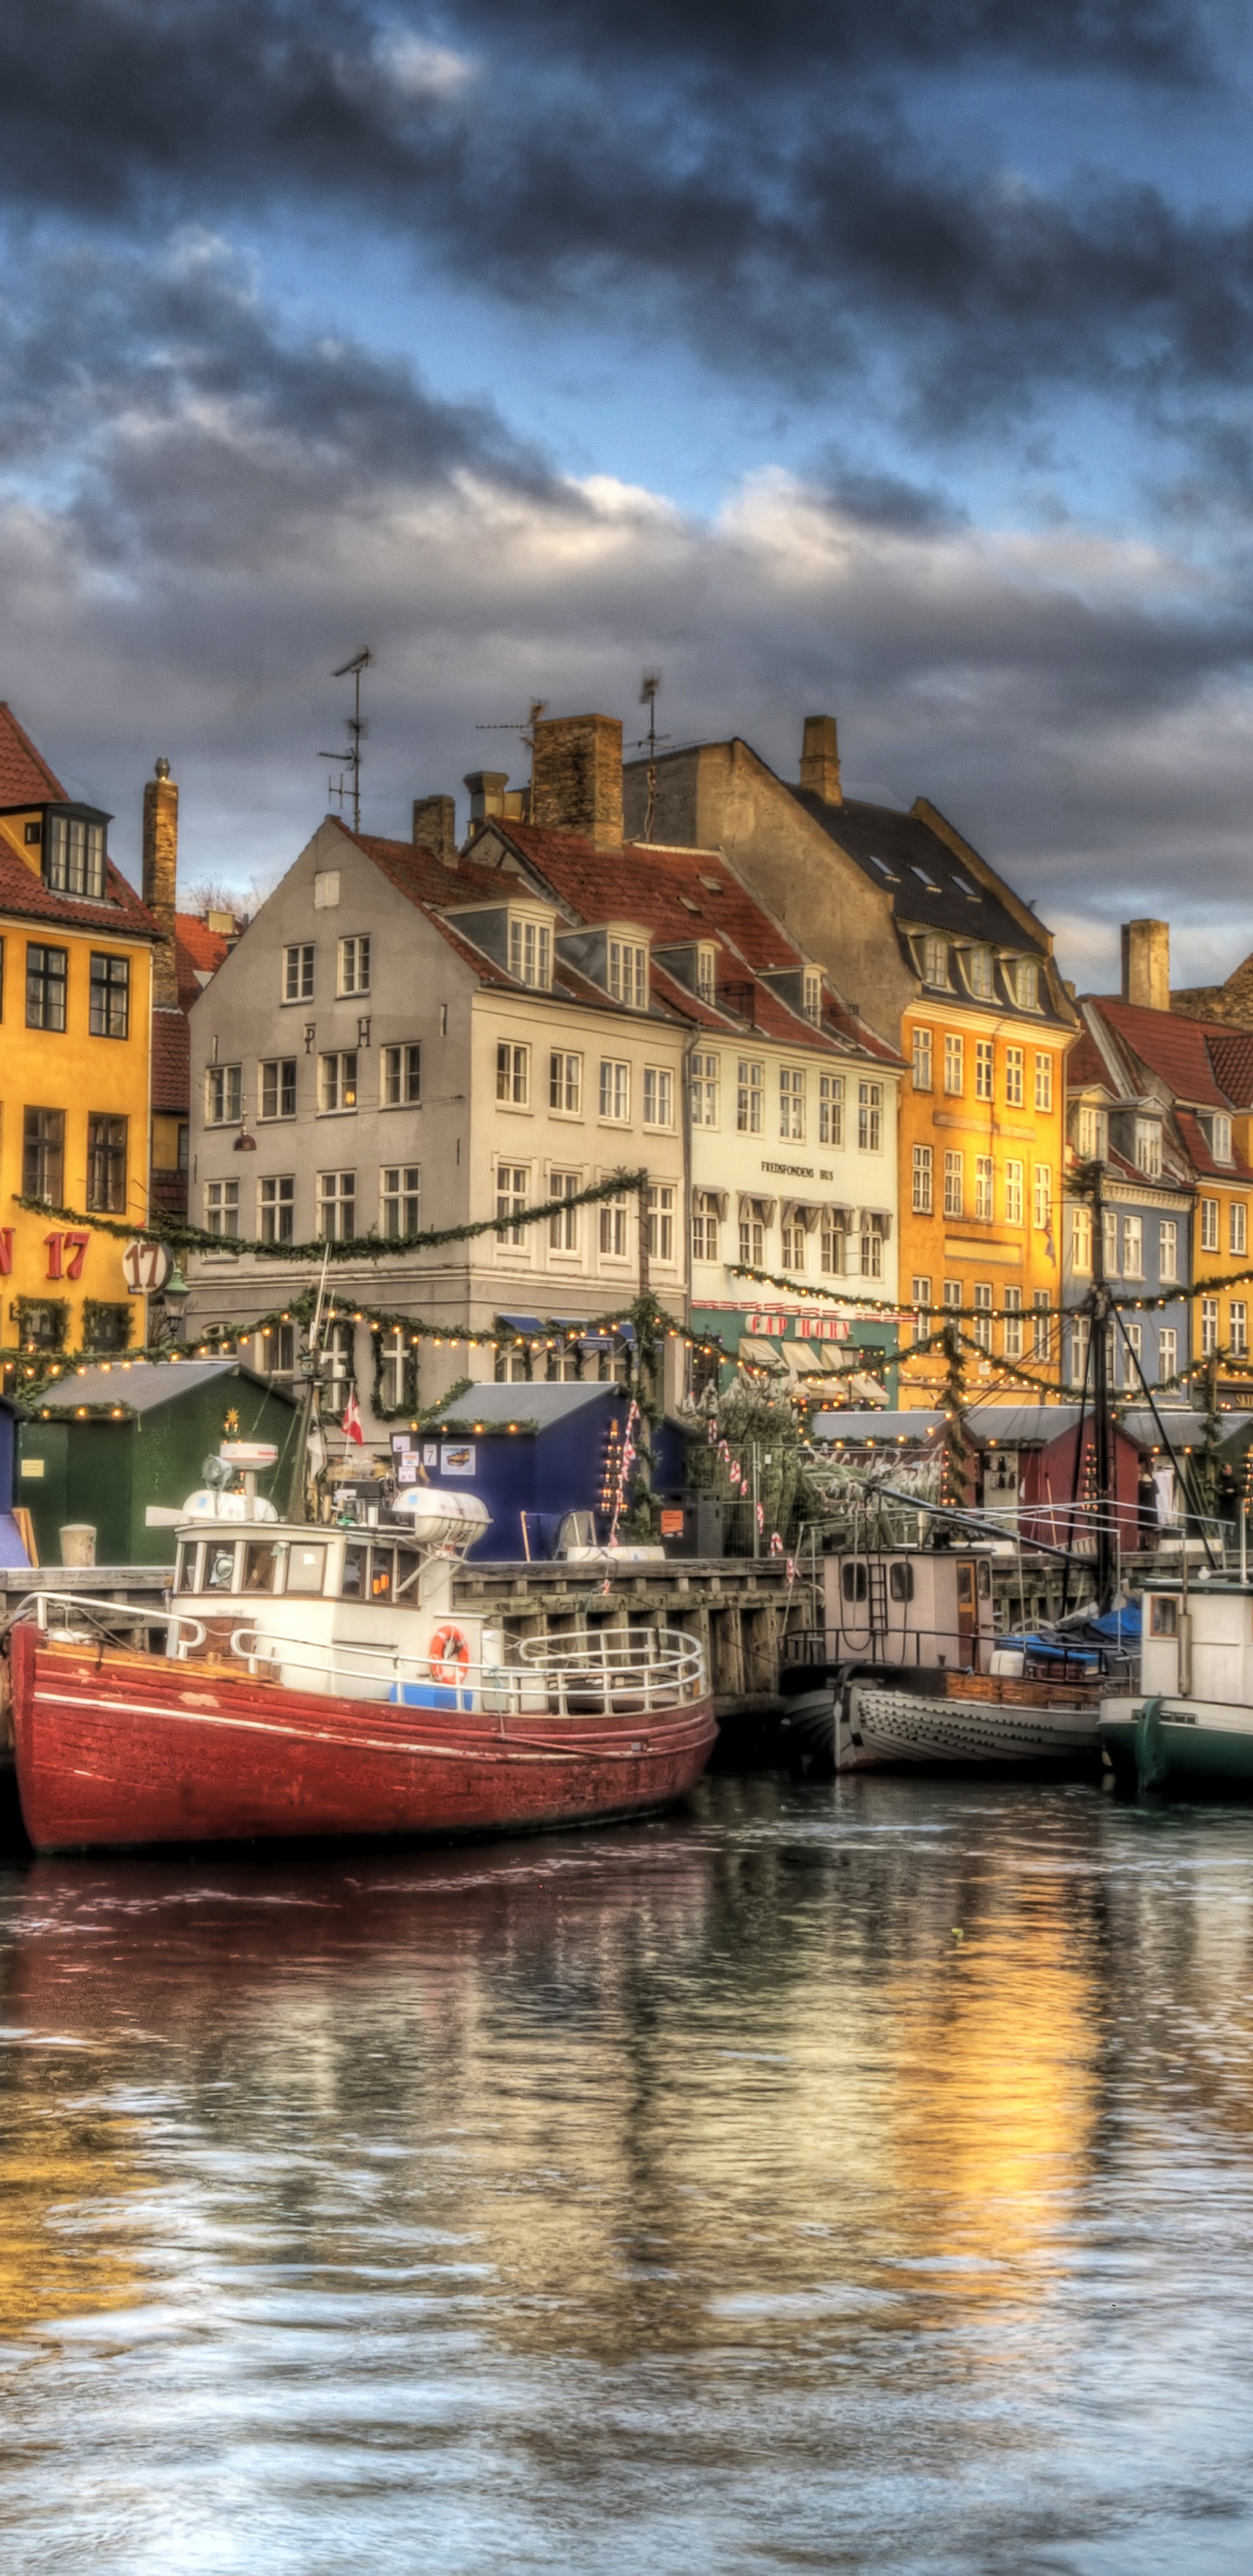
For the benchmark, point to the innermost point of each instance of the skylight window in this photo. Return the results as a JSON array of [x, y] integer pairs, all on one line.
[[966, 889], [689, 906], [926, 878], [884, 870], [714, 884]]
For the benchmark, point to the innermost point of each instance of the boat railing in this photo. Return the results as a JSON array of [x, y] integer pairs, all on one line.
[[103, 1618], [575, 1678]]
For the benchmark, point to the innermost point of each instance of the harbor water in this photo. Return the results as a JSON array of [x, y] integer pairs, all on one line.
[[846, 2177]]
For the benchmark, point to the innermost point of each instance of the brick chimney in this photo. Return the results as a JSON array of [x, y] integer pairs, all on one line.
[[820, 760], [576, 777], [1146, 964], [161, 879], [435, 826]]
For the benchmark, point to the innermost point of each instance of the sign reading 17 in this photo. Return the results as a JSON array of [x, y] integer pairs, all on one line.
[[66, 1255]]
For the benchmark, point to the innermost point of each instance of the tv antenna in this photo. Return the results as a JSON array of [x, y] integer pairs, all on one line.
[[357, 729], [526, 729], [648, 742]]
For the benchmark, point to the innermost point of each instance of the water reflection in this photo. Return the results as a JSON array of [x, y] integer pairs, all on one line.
[[846, 2178]]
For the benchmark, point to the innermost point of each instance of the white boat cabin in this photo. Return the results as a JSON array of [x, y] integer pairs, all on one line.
[[917, 1606], [1198, 1645]]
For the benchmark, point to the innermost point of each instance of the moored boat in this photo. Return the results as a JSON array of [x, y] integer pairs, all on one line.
[[1190, 1723], [314, 1679]]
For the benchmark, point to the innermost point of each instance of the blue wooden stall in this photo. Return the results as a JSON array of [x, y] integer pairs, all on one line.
[[533, 1454]]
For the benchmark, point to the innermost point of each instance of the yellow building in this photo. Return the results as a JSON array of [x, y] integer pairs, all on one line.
[[75, 1017]]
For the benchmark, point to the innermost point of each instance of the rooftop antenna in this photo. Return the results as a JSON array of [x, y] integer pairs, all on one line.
[[357, 729], [648, 742], [539, 707]]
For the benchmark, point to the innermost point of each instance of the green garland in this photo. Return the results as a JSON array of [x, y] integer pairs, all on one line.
[[891, 1312]]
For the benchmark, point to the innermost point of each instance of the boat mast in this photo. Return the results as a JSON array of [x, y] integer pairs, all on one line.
[[1102, 1429]]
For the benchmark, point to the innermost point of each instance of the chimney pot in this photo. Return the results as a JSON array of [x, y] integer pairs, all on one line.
[[161, 878], [576, 777], [1146, 964], [487, 792], [820, 760]]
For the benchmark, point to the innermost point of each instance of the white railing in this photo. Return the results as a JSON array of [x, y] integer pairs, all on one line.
[[578, 1677], [90, 1611]]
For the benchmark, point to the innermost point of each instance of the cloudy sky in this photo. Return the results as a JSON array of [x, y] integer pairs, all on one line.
[[885, 357]]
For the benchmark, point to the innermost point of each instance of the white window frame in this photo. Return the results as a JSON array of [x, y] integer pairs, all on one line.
[[400, 1075], [1081, 1242], [565, 1083], [985, 1189], [338, 1085], [332, 1200], [1211, 1224], [513, 1192], [1238, 1227], [791, 1104], [658, 1096], [271, 1086], [954, 1181], [1043, 1081], [1168, 1252], [513, 1074], [626, 962], [352, 966], [706, 1224], [831, 1109], [705, 1087], [614, 1092], [870, 1122], [659, 1216], [750, 1097], [1015, 1188], [400, 1195], [276, 1200], [1167, 1351], [921, 1202], [954, 1065], [563, 1229], [614, 1231], [1015, 1076], [298, 971], [221, 1200], [1133, 1247], [985, 1069], [921, 1059], [530, 950], [223, 1095], [1209, 1327]]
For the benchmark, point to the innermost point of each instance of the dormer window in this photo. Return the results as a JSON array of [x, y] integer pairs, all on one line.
[[979, 973], [812, 996], [935, 963], [74, 856], [1149, 1148], [531, 951], [1091, 1134], [628, 973], [1218, 1130], [1024, 979], [707, 972]]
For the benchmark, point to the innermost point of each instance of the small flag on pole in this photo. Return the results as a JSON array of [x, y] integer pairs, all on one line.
[[351, 1424]]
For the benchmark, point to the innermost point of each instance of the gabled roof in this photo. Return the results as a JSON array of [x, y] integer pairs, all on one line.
[[1086, 1067], [926, 880], [144, 1385], [198, 953], [25, 778], [1176, 1049]]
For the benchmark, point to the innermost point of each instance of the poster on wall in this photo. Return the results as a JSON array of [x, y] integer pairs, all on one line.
[[456, 1458]]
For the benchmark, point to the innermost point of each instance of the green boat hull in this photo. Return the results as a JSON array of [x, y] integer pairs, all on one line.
[[1155, 1744]]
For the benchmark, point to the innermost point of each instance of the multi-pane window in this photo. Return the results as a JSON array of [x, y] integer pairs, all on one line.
[[833, 1241], [811, 996], [920, 1299], [979, 973], [278, 1087], [531, 951], [563, 1229], [1133, 1247], [1209, 1225], [704, 1090], [1080, 1335], [74, 861], [749, 1098], [513, 1074], [628, 973], [1167, 1352], [397, 1373], [660, 1220], [354, 966], [658, 1096], [106, 1163], [870, 1117], [1026, 978], [1044, 1082], [922, 1179], [513, 1188], [400, 1198], [922, 1059], [984, 1177], [338, 1356], [223, 1094], [752, 1238], [1149, 1148], [337, 1081], [704, 1226], [791, 1103], [43, 1155], [1109, 1239], [830, 1108], [1135, 1354], [613, 1226], [337, 1206], [1238, 1333], [109, 1002], [565, 1082], [707, 972], [954, 1186], [401, 1076], [1220, 1139], [1238, 1226], [1013, 1192], [1041, 1325], [221, 1207], [871, 1247], [954, 1065], [276, 1203], [793, 1244], [1042, 1197], [45, 986], [1209, 1327], [615, 1089], [276, 1352], [1168, 1251], [953, 1292], [1081, 1240], [1013, 1323], [985, 1068], [935, 962], [1015, 1062], [298, 972], [983, 1314]]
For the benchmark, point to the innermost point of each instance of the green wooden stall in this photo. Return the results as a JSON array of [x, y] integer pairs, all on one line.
[[101, 1444]]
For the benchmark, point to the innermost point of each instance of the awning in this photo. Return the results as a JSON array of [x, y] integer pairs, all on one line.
[[758, 1353], [801, 1212], [867, 1390], [761, 1209], [875, 1221], [522, 1323], [720, 1199]]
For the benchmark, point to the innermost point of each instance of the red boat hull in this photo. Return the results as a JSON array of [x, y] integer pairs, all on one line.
[[128, 1750]]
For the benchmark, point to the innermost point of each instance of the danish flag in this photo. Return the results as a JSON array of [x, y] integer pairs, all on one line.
[[351, 1424]]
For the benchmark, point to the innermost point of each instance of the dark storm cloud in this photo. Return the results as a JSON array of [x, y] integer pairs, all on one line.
[[743, 171]]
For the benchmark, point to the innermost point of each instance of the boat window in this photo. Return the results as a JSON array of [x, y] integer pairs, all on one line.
[[901, 1582], [353, 1585], [219, 1568], [854, 1583], [985, 1579], [966, 1587], [382, 1573], [306, 1569], [408, 1568], [188, 1569], [260, 1565], [1163, 1616]]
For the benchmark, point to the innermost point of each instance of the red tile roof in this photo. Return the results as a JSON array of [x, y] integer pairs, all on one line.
[[1174, 1048], [25, 778], [120, 915], [1231, 1054], [1199, 1154], [198, 953], [171, 1062], [1086, 1065]]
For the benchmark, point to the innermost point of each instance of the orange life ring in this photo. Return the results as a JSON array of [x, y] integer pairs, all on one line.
[[450, 1654]]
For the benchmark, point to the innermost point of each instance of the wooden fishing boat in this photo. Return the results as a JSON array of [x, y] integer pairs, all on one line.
[[315, 1680]]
